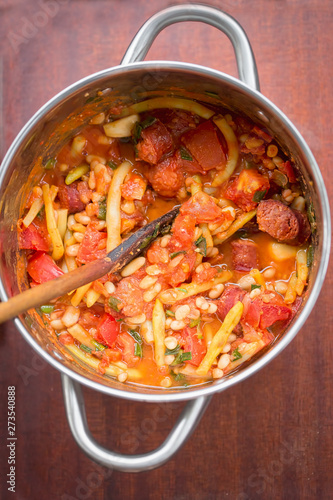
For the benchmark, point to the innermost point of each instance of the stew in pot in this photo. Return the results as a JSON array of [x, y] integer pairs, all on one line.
[[211, 292]]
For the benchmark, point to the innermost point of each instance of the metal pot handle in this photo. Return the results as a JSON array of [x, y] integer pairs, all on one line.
[[144, 38], [193, 411], [76, 415]]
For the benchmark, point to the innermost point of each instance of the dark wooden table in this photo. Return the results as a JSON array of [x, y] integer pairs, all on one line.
[[267, 438]]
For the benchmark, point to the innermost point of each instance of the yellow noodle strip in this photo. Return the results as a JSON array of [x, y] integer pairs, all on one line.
[[220, 338], [233, 152], [58, 247], [168, 102], [113, 219], [159, 332], [185, 290], [243, 219], [302, 271]]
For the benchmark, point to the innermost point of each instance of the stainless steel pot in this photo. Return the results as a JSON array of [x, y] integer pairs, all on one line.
[[134, 80]]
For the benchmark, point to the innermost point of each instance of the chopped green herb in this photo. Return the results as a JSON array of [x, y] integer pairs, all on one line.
[[50, 164], [194, 322], [113, 303], [112, 165], [166, 229], [182, 290], [169, 352], [138, 350], [119, 320], [102, 211], [236, 354], [85, 348], [47, 309], [181, 357], [136, 336], [99, 347], [148, 240], [174, 254], [253, 287], [259, 195], [201, 243], [177, 376], [140, 126], [185, 155], [170, 313], [309, 256], [311, 217]]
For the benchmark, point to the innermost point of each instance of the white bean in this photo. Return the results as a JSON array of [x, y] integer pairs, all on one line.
[[217, 373], [166, 382], [150, 294], [232, 337], [269, 273], [216, 291], [165, 240], [82, 218], [169, 359], [109, 287], [246, 281], [223, 361], [153, 270], [182, 312], [177, 325], [281, 287], [254, 293], [72, 250], [147, 282], [170, 342], [212, 308], [202, 303], [137, 320], [78, 236], [133, 266], [226, 348]]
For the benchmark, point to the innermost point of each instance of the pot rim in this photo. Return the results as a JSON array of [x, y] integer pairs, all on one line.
[[222, 384]]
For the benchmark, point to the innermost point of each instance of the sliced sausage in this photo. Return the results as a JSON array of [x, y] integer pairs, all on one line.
[[166, 178], [155, 141], [244, 255], [69, 197], [278, 220]]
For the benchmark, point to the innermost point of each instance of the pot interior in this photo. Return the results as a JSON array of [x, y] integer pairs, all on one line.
[[67, 113]]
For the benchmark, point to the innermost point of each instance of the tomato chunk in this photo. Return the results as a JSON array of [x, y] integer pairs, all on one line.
[[109, 329], [194, 345], [266, 309], [205, 147], [183, 231], [243, 189], [34, 237], [42, 268], [127, 345], [134, 188], [202, 208], [93, 245]]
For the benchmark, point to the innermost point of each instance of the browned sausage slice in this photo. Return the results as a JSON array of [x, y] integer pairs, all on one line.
[[277, 220]]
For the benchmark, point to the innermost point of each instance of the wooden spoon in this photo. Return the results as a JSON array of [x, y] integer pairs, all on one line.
[[114, 261]]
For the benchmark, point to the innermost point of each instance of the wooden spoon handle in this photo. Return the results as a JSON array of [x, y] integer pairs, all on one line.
[[114, 261]]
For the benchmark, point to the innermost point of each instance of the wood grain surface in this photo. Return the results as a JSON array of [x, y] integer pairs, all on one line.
[[269, 437]]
